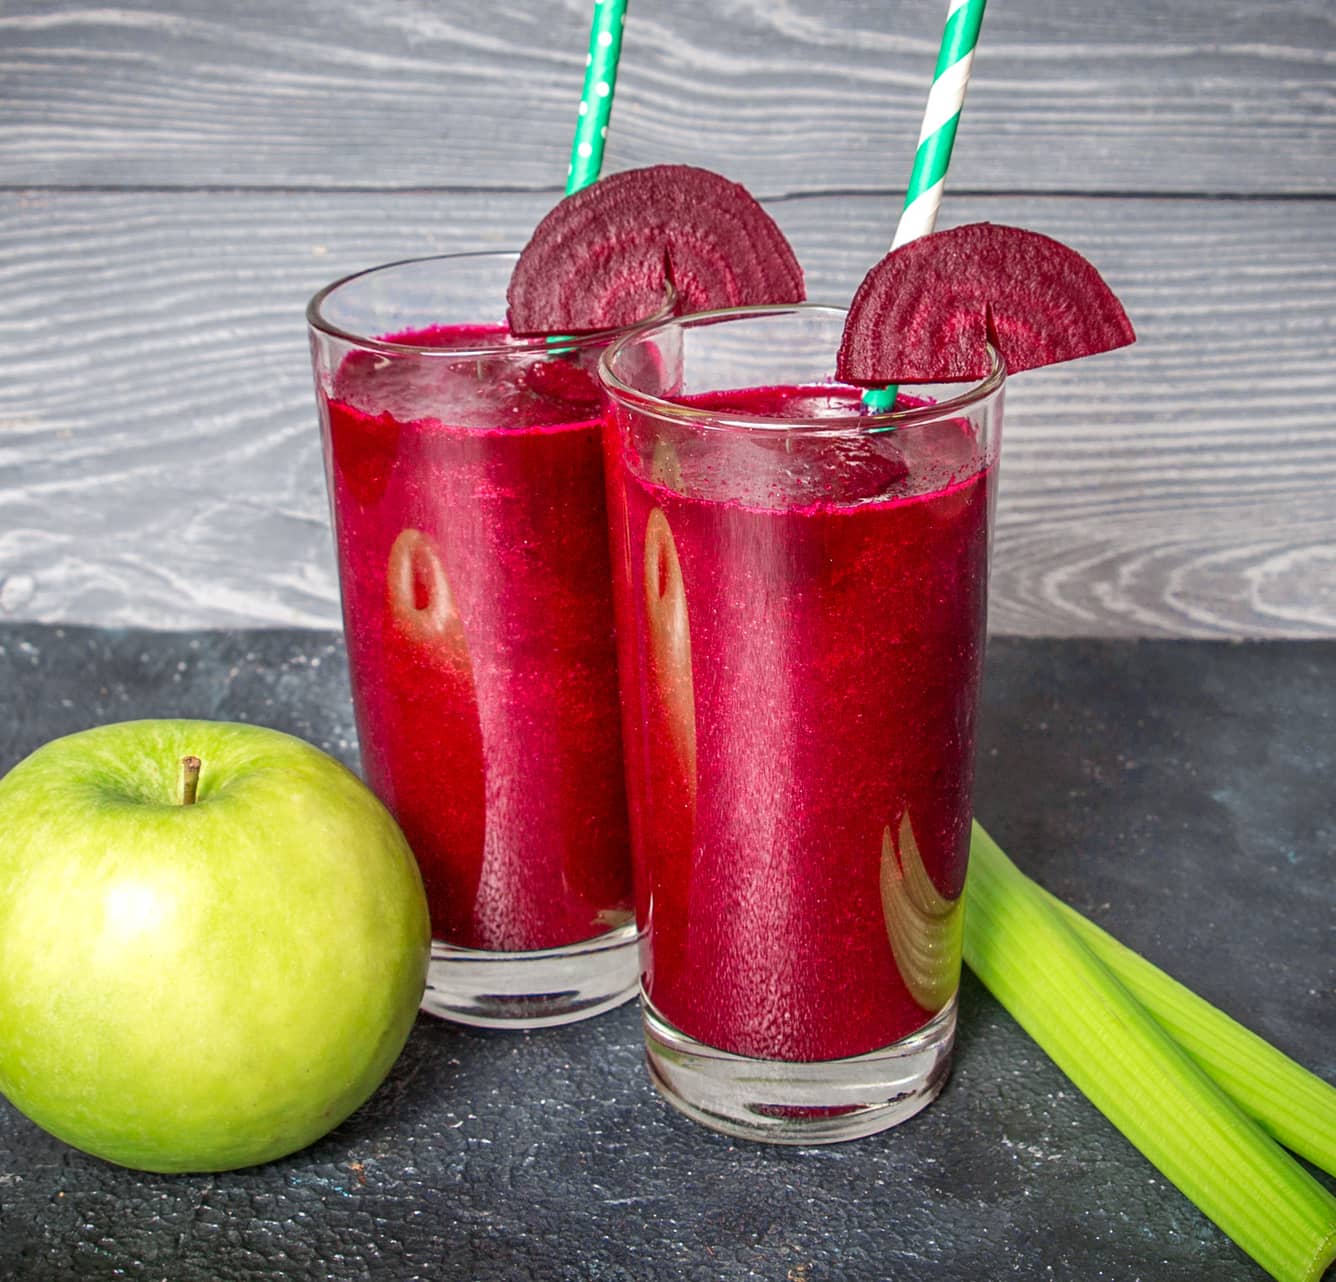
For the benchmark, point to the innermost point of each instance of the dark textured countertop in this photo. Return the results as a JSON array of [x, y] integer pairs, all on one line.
[[1179, 792]]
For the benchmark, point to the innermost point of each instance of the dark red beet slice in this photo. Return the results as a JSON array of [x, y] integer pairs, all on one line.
[[925, 313], [601, 257]]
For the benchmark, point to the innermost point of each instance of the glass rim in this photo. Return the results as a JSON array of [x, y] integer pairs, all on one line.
[[513, 346], [974, 392]]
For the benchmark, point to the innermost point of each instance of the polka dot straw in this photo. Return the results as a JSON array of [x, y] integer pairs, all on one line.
[[591, 127]]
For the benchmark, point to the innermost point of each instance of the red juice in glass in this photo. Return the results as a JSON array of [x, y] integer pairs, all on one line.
[[466, 481], [801, 602]]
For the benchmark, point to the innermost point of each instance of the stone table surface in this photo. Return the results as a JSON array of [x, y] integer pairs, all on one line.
[[1178, 792]]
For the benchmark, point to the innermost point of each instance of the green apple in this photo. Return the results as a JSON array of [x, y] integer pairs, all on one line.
[[200, 983]]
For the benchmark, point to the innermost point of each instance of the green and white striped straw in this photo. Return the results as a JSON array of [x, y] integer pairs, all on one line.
[[946, 99], [600, 81]]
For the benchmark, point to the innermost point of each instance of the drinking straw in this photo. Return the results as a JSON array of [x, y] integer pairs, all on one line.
[[600, 80], [946, 98]]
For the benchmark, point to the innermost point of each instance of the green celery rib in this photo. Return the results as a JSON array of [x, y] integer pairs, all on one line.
[[1295, 1106], [1130, 1068]]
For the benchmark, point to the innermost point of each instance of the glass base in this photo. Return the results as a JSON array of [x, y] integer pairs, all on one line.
[[533, 989], [807, 1102]]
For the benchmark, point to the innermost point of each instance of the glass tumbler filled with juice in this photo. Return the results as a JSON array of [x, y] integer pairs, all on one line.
[[466, 484], [801, 587]]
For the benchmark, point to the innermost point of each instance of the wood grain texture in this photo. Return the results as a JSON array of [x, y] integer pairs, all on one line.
[[159, 461], [783, 95]]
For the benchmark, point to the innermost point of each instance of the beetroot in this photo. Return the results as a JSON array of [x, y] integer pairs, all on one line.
[[600, 258], [927, 311]]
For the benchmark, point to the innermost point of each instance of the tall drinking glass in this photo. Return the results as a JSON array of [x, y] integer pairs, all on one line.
[[801, 591], [466, 484]]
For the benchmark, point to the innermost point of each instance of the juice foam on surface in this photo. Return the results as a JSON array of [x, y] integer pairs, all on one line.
[[471, 533], [800, 712], [490, 392]]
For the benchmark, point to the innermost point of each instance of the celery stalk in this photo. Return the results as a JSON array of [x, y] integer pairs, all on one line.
[[1130, 1068], [1293, 1105]]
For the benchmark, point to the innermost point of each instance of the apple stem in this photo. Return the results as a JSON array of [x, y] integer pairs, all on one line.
[[189, 780]]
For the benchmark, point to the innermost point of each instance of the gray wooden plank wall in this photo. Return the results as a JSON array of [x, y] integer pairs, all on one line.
[[176, 178]]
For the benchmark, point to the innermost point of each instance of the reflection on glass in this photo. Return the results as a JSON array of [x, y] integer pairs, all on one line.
[[670, 643], [420, 596], [923, 925]]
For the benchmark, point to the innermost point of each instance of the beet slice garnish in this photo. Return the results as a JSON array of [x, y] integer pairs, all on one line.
[[927, 311], [600, 259]]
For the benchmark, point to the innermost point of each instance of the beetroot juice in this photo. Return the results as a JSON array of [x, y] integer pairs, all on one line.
[[472, 541], [466, 480], [833, 701], [801, 610]]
